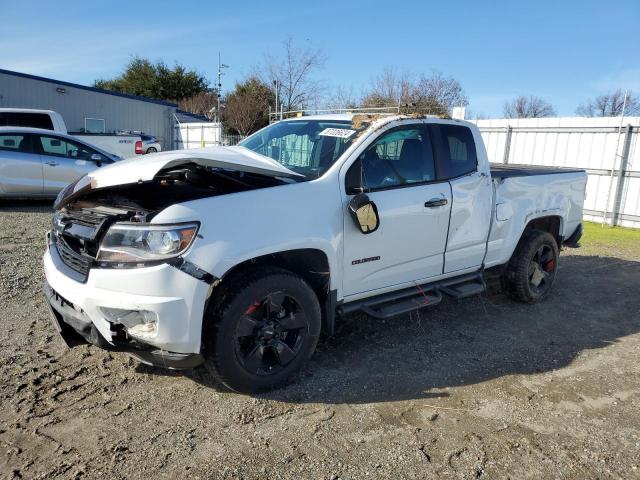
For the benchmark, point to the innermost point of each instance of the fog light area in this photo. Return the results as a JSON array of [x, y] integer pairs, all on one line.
[[141, 324]]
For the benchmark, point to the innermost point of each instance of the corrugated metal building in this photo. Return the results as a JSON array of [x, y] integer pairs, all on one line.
[[88, 108]]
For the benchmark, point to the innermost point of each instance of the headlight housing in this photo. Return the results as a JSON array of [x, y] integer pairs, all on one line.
[[126, 243]]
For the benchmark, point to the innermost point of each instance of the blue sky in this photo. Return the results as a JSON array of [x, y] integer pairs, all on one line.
[[562, 51]]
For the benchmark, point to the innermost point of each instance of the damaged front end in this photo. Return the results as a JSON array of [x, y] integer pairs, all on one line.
[[109, 227], [104, 228]]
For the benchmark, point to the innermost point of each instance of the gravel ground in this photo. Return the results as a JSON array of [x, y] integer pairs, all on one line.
[[484, 388]]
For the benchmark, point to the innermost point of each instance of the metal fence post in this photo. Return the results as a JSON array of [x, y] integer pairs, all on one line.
[[626, 146], [507, 145]]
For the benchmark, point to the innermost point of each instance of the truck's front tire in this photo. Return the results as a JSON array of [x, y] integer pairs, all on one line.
[[260, 329], [532, 268]]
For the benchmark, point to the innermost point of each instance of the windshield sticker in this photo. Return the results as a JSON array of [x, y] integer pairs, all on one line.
[[337, 132]]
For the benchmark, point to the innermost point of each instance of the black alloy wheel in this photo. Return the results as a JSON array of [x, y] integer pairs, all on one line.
[[260, 328], [530, 273], [270, 334], [541, 268]]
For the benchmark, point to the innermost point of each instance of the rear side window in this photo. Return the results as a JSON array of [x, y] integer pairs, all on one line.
[[458, 150], [14, 142], [26, 119], [63, 148]]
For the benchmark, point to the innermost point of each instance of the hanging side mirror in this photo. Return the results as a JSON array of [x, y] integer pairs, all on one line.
[[364, 213]]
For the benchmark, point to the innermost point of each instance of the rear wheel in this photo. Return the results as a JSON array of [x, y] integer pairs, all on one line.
[[152, 150], [261, 330], [532, 268]]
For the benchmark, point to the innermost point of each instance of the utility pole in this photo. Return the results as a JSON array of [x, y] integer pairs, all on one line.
[[275, 83], [220, 67]]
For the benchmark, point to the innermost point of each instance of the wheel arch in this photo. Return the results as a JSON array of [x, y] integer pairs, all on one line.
[[549, 223], [311, 264]]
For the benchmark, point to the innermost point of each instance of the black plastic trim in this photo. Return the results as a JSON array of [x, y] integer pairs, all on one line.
[[192, 269], [329, 317], [574, 239]]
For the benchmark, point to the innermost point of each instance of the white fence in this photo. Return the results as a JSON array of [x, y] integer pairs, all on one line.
[[200, 135], [609, 151]]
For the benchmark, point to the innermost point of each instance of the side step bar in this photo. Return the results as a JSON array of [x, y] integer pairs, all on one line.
[[409, 299]]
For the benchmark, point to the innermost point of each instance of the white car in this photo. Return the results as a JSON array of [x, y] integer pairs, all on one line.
[[239, 257], [150, 144], [40, 163]]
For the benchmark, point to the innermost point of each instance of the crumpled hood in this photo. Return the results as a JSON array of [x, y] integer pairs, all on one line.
[[145, 168], [140, 169]]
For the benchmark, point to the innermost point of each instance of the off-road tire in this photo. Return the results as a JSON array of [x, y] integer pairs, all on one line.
[[222, 322], [516, 280]]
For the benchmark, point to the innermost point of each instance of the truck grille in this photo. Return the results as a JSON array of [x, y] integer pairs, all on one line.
[[72, 259], [77, 232]]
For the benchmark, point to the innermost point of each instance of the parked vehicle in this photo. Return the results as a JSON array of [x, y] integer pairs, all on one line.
[[27, 117], [40, 163], [239, 257], [150, 144], [121, 145], [124, 146]]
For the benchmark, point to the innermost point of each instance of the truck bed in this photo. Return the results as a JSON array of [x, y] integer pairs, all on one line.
[[500, 170]]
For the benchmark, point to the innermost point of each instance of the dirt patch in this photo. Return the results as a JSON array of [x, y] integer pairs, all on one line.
[[483, 388]]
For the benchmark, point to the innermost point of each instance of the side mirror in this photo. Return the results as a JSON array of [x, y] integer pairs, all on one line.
[[364, 213], [96, 157]]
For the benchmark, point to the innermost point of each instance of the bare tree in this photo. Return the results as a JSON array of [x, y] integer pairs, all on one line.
[[246, 109], [434, 94], [610, 105], [389, 89], [201, 103], [294, 72], [528, 107], [438, 94], [342, 97]]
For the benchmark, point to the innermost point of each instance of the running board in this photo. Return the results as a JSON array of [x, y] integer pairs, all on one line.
[[390, 304]]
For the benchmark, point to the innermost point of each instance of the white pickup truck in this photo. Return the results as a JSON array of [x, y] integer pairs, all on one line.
[[120, 145], [239, 257]]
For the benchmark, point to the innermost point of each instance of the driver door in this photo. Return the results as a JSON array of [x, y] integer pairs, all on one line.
[[397, 173], [63, 161]]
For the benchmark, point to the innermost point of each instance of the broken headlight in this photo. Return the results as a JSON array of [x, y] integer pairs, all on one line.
[[130, 243]]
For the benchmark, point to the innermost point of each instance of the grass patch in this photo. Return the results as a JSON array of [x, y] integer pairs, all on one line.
[[599, 239]]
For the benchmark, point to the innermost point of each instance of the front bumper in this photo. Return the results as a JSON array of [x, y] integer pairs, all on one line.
[[75, 328], [176, 298]]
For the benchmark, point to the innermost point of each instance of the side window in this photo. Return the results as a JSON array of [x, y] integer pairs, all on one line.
[[94, 125], [401, 156], [62, 147], [459, 151], [14, 142], [26, 119]]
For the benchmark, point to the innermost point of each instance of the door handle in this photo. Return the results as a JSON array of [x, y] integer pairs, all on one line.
[[53, 163], [435, 202]]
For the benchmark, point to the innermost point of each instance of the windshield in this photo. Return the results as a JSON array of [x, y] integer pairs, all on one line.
[[308, 147]]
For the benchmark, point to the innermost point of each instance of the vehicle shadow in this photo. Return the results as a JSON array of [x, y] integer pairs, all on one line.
[[594, 302]]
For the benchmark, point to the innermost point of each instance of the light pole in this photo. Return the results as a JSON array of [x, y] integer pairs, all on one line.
[[275, 83], [220, 67]]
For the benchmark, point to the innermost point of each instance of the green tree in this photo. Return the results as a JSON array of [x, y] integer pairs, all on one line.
[[156, 80]]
